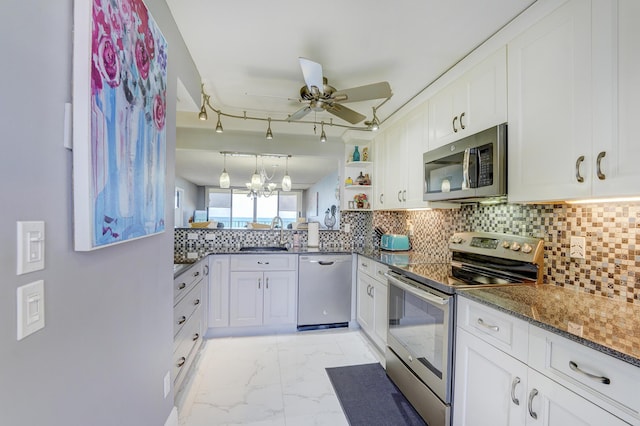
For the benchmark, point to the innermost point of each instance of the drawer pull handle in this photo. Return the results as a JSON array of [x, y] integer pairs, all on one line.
[[182, 320], [485, 325], [601, 379], [462, 126], [182, 286], [196, 302], [181, 361], [196, 336], [513, 390], [196, 274], [579, 161], [532, 395], [601, 175]]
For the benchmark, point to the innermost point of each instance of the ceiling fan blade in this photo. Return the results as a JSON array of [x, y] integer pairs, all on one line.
[[363, 93], [299, 114], [312, 72], [347, 114]]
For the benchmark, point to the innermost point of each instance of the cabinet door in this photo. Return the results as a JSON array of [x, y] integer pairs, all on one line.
[[380, 314], [379, 169], [395, 179], [417, 143], [280, 297], [487, 90], [444, 109], [617, 90], [490, 386], [549, 105], [218, 291], [555, 405], [364, 302], [245, 298]]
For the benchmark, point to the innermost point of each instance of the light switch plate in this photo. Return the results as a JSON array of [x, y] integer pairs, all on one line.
[[30, 247], [30, 308], [347, 228], [192, 235], [210, 236]]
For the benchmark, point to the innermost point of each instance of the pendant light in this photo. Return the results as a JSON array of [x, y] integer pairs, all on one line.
[[219, 128], [323, 135], [286, 180], [225, 182], [269, 134], [256, 180]]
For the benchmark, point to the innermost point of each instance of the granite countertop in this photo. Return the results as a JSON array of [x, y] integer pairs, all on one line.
[[609, 326]]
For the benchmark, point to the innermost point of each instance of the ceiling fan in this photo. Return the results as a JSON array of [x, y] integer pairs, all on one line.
[[323, 97]]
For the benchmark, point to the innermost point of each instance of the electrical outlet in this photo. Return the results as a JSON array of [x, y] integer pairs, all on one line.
[[577, 247], [210, 236], [192, 235], [347, 228], [574, 328]]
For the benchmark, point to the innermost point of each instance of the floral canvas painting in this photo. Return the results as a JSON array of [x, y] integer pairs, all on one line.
[[120, 74]]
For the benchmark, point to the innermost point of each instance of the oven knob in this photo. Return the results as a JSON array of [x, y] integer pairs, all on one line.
[[526, 248], [515, 246], [506, 244]]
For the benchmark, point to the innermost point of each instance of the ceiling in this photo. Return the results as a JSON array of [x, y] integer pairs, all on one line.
[[247, 54]]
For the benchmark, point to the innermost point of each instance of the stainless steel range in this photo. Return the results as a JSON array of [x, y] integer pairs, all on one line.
[[422, 292]]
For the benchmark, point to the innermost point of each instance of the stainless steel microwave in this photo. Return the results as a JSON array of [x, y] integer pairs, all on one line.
[[468, 170]]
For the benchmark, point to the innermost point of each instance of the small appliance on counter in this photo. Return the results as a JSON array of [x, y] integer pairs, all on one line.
[[394, 242]]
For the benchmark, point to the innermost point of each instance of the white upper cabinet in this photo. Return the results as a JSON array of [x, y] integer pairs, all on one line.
[[474, 102], [399, 152], [379, 151], [574, 81]]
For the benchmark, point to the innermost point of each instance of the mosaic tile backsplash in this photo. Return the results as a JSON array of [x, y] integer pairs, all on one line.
[[612, 233]]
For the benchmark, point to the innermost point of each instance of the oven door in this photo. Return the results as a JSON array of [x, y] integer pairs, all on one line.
[[421, 330]]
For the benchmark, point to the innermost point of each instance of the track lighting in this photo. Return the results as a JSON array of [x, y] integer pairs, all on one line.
[[225, 182], [374, 124], [219, 128], [286, 180], [206, 102], [323, 135], [269, 134]]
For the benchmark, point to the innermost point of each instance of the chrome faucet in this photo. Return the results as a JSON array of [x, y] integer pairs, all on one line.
[[273, 224]]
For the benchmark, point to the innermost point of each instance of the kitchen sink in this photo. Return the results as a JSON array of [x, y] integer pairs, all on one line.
[[268, 248]]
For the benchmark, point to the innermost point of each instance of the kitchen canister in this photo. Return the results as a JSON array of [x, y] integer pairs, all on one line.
[[313, 237]]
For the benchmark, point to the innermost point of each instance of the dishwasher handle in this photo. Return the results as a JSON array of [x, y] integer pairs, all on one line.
[[321, 262]]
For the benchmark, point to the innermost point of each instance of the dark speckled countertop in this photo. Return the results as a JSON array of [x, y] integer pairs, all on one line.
[[609, 326]]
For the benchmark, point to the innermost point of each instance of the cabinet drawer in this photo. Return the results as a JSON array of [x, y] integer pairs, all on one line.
[[503, 331], [185, 281], [186, 346], [594, 375], [366, 265], [187, 306], [379, 271], [257, 262]]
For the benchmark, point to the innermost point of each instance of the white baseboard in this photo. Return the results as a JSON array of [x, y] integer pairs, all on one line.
[[172, 420]]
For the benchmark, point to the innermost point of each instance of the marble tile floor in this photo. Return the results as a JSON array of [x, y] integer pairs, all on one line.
[[277, 380]]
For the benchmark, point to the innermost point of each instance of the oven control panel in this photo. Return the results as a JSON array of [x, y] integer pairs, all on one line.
[[505, 246]]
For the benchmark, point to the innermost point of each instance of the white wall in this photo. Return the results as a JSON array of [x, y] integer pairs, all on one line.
[[326, 190], [107, 343]]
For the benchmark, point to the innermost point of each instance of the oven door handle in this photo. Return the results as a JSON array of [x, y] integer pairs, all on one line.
[[422, 294]]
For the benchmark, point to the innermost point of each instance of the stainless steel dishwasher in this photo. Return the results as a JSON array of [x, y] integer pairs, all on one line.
[[324, 291]]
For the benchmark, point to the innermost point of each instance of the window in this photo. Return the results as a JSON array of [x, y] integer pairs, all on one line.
[[235, 209]]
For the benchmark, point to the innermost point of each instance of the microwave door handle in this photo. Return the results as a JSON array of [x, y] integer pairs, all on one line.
[[465, 169]]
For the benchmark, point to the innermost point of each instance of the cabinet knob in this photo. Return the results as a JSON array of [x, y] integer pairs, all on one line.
[[196, 302], [196, 336], [182, 320], [181, 361], [182, 286]]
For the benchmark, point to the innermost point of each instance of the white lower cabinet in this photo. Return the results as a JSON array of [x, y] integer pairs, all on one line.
[[262, 290], [218, 291], [495, 385], [371, 300], [189, 319]]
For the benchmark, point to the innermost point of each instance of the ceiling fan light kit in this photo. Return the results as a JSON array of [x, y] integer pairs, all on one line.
[[319, 96]]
